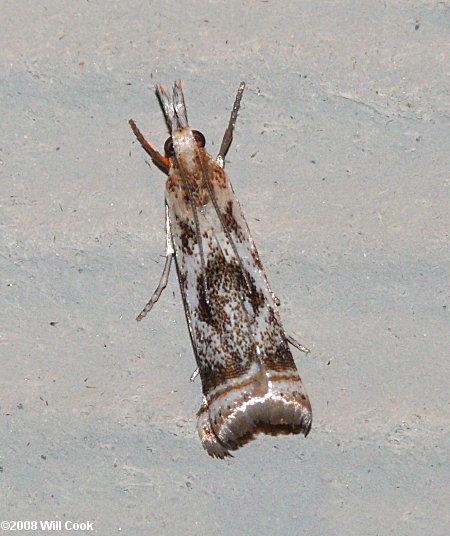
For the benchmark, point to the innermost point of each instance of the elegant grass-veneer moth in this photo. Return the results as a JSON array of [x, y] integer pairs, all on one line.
[[249, 379]]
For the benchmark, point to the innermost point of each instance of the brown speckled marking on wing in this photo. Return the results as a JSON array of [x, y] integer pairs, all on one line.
[[220, 315]]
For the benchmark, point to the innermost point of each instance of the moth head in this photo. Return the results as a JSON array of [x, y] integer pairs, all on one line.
[[168, 146]]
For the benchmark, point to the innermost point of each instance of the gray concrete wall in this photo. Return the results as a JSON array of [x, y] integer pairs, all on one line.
[[340, 159]]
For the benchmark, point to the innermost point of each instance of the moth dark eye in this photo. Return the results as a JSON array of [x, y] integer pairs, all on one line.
[[199, 138], [168, 148]]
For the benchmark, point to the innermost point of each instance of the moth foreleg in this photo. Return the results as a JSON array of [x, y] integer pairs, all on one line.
[[166, 271], [291, 340], [194, 374]]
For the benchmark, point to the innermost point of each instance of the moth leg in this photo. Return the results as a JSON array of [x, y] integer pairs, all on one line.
[[291, 340], [165, 275], [194, 374], [228, 136]]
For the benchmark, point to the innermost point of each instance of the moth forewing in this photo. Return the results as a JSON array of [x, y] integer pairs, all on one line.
[[249, 379]]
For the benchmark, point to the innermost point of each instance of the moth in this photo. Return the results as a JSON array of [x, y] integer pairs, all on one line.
[[249, 379]]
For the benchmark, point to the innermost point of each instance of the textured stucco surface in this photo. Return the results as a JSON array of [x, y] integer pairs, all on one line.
[[339, 159]]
